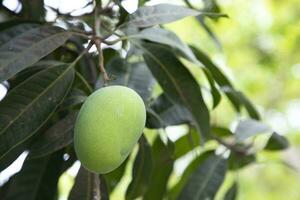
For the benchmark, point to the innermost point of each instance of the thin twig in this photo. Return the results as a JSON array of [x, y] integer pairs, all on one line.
[[101, 61]]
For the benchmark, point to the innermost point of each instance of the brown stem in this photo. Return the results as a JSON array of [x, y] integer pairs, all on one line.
[[101, 61]]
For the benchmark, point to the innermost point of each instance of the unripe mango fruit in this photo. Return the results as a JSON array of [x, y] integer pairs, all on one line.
[[108, 125]]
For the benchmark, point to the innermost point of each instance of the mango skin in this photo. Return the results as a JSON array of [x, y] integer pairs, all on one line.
[[108, 126]]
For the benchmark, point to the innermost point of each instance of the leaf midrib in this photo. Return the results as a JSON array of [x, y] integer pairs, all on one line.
[[25, 50], [207, 178], [170, 76]]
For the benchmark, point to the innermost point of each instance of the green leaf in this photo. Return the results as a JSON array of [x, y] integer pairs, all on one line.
[[217, 75], [86, 187], [186, 143], [162, 113], [158, 14], [113, 178], [221, 131], [248, 128], [12, 156], [238, 160], [162, 168], [27, 107], [55, 138], [166, 37], [243, 100], [214, 91], [231, 194], [175, 190], [12, 32], [277, 142], [205, 180], [141, 171], [178, 84], [28, 48], [134, 75], [37, 180]]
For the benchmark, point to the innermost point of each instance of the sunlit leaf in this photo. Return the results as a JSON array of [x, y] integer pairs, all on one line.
[[166, 37], [159, 14], [248, 128]]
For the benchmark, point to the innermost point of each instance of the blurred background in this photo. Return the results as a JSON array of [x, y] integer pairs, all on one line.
[[259, 48]]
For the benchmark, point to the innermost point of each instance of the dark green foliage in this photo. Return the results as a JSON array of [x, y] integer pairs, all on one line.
[[49, 73]]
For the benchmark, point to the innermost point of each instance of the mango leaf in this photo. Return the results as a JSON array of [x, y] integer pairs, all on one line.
[[15, 31], [231, 194], [134, 75], [186, 143], [12, 156], [158, 14], [243, 100], [221, 131], [141, 171], [217, 75], [205, 180], [248, 128], [216, 96], [113, 178], [27, 107], [176, 189], [166, 37], [55, 138], [178, 83], [29, 47], [209, 32], [162, 168], [277, 142], [162, 113], [238, 160], [37, 180], [86, 186]]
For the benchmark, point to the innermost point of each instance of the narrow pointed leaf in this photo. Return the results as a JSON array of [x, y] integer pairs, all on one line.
[[175, 190], [231, 194], [37, 180], [12, 32], [159, 14], [28, 48], [277, 142], [248, 128], [55, 138], [86, 187], [178, 84], [141, 171], [27, 107], [214, 91], [162, 168], [166, 37], [205, 180]]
